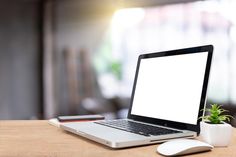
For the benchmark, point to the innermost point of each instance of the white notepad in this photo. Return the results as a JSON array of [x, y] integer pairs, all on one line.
[[54, 122]]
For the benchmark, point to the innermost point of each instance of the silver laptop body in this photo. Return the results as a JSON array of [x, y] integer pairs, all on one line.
[[169, 91]]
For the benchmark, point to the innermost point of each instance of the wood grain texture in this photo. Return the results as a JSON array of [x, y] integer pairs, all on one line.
[[38, 138]]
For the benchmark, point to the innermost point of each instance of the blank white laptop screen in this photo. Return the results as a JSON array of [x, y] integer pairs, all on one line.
[[170, 87]]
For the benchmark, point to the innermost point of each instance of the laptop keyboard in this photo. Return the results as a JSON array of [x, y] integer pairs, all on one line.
[[138, 128]]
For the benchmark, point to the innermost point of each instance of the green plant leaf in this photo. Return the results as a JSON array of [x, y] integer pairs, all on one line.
[[215, 115]]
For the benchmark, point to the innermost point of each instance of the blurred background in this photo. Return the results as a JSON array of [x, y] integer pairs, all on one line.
[[67, 57]]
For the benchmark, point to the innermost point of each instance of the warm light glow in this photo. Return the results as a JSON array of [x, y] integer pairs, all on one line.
[[124, 19], [127, 17]]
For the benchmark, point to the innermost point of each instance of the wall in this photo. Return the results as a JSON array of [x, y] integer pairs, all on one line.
[[19, 59]]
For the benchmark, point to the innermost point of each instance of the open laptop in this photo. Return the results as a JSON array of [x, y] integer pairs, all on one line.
[[168, 94]]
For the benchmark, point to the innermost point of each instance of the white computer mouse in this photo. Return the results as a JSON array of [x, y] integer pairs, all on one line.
[[182, 147]]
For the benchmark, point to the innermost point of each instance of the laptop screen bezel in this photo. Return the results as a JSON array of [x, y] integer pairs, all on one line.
[[167, 123]]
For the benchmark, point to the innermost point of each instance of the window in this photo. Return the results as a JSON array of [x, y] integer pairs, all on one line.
[[141, 30]]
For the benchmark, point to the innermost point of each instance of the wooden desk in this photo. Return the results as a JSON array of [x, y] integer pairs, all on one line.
[[38, 138]]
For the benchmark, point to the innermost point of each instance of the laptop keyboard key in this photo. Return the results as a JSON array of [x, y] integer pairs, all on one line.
[[138, 128]]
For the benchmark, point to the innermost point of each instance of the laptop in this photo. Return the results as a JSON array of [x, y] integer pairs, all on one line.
[[168, 94]]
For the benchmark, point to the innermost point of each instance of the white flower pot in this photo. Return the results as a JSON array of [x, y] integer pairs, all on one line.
[[218, 135]]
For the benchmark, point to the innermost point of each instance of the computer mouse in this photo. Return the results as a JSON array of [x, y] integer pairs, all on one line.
[[182, 147]]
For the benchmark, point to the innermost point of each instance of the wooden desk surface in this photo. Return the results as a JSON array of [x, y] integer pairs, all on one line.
[[38, 138]]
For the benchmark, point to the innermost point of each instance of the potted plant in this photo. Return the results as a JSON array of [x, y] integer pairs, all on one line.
[[214, 129]]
